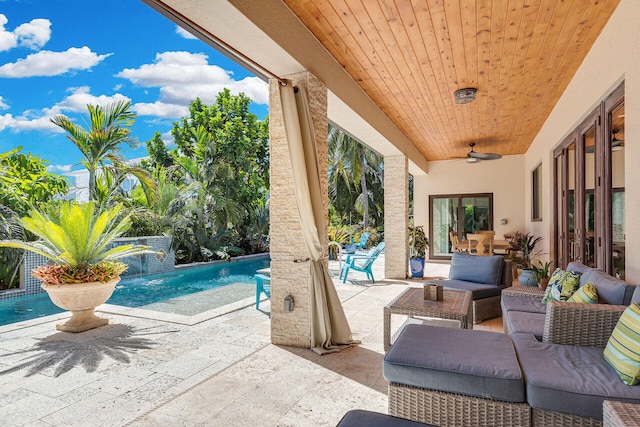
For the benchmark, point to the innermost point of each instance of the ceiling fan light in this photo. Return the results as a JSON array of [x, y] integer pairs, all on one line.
[[465, 96], [471, 160]]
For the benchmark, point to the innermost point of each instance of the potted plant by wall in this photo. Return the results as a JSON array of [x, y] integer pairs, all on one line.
[[418, 244], [541, 272], [339, 235], [85, 271], [523, 250]]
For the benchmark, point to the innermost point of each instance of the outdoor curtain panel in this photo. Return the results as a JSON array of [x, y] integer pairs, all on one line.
[[329, 327]]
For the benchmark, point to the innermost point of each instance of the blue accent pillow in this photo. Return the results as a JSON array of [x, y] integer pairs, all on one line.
[[478, 269]]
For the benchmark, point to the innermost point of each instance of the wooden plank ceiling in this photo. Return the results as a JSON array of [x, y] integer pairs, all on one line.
[[410, 57]]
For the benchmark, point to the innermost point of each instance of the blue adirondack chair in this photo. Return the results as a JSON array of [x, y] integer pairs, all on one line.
[[361, 263], [364, 238], [263, 286]]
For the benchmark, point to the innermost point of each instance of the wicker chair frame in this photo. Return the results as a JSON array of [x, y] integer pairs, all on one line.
[[450, 409], [543, 418], [620, 414]]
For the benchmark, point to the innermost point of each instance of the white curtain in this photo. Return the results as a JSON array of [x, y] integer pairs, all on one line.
[[330, 330]]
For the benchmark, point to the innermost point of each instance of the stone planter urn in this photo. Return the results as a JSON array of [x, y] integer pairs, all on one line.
[[81, 299]]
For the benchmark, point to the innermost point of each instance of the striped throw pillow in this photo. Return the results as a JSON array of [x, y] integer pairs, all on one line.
[[623, 349], [587, 294]]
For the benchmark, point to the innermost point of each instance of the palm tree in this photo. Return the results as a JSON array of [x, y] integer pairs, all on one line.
[[108, 186], [204, 212], [108, 127], [349, 165]]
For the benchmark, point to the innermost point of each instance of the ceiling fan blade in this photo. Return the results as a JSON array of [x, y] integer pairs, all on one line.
[[484, 156]]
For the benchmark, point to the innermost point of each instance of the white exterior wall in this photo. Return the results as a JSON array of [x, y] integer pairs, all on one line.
[[502, 177], [614, 57]]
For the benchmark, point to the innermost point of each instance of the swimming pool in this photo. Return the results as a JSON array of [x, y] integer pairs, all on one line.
[[149, 291]]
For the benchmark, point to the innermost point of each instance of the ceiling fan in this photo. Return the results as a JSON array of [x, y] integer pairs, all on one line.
[[474, 156]]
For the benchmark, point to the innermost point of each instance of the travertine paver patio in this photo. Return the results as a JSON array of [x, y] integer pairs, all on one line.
[[222, 371]]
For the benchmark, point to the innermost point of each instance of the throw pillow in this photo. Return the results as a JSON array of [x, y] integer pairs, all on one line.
[[562, 284], [587, 294], [623, 348]]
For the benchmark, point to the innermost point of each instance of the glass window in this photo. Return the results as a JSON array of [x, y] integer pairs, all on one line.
[[460, 214], [536, 193]]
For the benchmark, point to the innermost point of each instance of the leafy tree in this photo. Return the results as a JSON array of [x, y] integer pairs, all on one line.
[[159, 156], [222, 165], [355, 176], [108, 128], [24, 181]]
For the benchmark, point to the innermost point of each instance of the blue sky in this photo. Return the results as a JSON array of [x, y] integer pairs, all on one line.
[[58, 56]]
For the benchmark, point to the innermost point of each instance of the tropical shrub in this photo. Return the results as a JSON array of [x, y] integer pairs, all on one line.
[[9, 258], [75, 237], [523, 249]]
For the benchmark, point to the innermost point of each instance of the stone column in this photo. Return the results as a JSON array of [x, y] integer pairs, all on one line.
[[287, 244], [396, 216]]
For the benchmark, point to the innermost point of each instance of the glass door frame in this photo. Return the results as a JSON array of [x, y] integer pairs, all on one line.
[[603, 245], [460, 216], [610, 104]]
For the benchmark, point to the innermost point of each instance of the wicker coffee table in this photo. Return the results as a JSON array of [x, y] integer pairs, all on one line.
[[454, 306]]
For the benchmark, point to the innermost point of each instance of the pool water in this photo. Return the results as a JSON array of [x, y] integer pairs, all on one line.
[[142, 291]]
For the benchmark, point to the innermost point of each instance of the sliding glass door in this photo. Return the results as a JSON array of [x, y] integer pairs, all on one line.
[[458, 213]]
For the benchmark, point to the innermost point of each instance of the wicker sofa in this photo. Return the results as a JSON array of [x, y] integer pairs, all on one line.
[[466, 377], [484, 276], [523, 311], [560, 349]]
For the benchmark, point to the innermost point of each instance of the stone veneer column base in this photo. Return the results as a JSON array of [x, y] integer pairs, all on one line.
[[287, 244]]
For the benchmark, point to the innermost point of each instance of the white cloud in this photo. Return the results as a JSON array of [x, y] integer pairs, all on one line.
[[185, 34], [8, 40], [59, 168], [40, 119], [79, 99], [183, 77], [161, 109], [168, 139], [49, 63], [3, 105], [24, 123], [33, 35]]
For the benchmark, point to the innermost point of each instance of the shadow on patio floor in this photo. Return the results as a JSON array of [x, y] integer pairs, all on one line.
[[357, 363], [61, 352]]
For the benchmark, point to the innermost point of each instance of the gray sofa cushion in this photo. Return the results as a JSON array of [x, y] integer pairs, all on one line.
[[527, 323], [526, 304], [578, 267], [610, 289], [569, 379], [635, 296], [462, 361], [360, 418], [478, 290], [477, 269]]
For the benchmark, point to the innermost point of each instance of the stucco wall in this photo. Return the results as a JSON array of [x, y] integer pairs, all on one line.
[[503, 177], [613, 58]]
